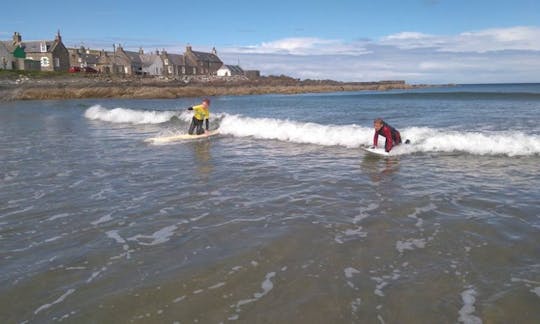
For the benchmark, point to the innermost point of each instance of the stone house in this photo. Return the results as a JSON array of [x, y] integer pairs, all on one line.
[[173, 64], [7, 60], [83, 57], [52, 55], [127, 62], [230, 70], [201, 63], [152, 64]]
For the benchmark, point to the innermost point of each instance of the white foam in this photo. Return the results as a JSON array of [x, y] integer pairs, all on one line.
[[536, 291], [161, 236], [130, 116], [115, 236], [102, 219], [95, 274], [59, 300], [424, 139], [349, 272], [410, 244], [511, 143], [266, 286], [58, 216], [466, 312]]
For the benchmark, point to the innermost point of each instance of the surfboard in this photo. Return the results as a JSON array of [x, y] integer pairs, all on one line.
[[379, 151], [180, 137]]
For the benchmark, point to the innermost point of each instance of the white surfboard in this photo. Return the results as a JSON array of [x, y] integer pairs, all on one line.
[[180, 137], [379, 151]]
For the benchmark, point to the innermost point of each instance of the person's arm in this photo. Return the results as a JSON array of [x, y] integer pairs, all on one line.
[[189, 108], [207, 124], [389, 141], [375, 139]]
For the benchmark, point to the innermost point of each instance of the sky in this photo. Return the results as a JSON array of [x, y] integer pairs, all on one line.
[[419, 41]]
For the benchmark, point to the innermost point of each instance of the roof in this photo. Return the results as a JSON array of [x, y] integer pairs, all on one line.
[[149, 59], [176, 59], [35, 46], [233, 68], [208, 57], [135, 57], [7, 46]]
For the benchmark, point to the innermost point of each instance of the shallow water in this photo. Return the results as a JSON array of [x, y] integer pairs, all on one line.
[[281, 218]]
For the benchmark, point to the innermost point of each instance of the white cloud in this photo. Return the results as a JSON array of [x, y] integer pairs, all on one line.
[[491, 55], [303, 46], [488, 40]]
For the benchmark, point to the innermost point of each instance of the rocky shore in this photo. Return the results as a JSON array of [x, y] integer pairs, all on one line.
[[67, 86]]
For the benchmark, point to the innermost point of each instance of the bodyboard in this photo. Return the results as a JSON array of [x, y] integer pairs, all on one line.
[[376, 151]]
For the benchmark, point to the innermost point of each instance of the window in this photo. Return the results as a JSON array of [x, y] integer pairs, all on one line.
[[43, 47], [170, 69], [45, 61], [194, 70], [183, 70], [166, 61]]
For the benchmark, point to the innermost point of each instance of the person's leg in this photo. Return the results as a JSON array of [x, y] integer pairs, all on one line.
[[200, 127], [192, 126]]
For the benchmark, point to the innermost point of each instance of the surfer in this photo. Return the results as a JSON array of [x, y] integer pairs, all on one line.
[[201, 114], [391, 134]]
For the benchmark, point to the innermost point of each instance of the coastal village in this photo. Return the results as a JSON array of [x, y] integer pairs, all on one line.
[[47, 69], [53, 55]]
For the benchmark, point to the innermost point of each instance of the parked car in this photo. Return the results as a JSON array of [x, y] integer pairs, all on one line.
[[90, 70], [74, 69]]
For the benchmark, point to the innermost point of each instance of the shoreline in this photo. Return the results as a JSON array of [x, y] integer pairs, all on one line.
[[84, 87]]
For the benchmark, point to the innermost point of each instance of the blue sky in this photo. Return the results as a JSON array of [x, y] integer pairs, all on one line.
[[420, 41]]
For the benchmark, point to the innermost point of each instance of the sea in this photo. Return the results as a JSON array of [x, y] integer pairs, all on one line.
[[281, 218]]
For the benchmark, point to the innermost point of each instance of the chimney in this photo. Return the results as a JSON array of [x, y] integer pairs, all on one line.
[[214, 51], [17, 38], [141, 51], [58, 37], [188, 48]]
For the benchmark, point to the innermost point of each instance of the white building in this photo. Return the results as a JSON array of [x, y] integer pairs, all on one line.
[[230, 70]]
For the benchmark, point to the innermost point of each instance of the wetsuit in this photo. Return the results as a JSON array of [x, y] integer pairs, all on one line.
[[393, 137], [200, 114]]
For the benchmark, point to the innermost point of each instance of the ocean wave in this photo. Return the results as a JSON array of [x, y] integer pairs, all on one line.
[[423, 139], [129, 116]]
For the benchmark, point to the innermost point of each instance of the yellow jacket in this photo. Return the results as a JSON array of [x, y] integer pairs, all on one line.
[[200, 112]]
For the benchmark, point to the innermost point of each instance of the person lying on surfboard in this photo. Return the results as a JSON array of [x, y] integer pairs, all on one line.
[[393, 137], [201, 113]]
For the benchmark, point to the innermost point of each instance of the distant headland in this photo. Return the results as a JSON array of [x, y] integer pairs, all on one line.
[[55, 85]]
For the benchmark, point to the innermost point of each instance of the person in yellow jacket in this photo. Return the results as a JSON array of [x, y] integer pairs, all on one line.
[[201, 114]]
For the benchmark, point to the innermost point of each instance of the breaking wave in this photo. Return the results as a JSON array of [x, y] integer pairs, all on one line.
[[424, 139]]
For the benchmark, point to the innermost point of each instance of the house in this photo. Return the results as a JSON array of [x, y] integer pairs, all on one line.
[[127, 62], [230, 70], [52, 55], [13, 56], [83, 57], [152, 64], [7, 60], [173, 64], [201, 63]]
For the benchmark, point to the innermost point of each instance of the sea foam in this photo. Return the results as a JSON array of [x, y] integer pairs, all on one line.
[[423, 139]]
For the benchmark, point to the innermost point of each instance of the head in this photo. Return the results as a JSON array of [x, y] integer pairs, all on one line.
[[206, 102], [378, 124]]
